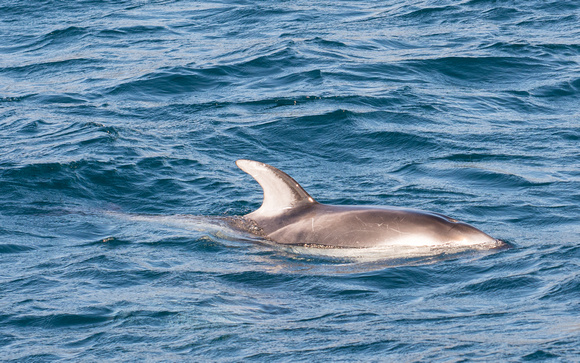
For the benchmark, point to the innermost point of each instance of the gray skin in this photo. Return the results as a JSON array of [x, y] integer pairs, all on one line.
[[290, 216]]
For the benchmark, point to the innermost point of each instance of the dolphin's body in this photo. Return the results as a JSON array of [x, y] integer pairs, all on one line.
[[290, 216]]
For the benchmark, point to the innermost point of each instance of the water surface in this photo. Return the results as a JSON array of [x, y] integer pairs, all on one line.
[[121, 120]]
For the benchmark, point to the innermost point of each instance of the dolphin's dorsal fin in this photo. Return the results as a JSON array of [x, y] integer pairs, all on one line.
[[281, 192]]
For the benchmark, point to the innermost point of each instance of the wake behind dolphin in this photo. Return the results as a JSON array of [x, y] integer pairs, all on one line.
[[290, 216]]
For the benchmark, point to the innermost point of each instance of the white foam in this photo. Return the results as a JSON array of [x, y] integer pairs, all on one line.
[[389, 252]]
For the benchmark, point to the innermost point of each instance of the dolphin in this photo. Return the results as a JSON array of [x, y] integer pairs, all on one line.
[[290, 216]]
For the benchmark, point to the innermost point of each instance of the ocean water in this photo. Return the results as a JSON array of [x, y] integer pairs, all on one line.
[[120, 122]]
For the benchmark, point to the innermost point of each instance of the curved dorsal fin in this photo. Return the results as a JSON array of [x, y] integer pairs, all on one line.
[[281, 192]]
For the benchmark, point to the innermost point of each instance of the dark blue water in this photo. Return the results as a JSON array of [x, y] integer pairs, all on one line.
[[121, 120]]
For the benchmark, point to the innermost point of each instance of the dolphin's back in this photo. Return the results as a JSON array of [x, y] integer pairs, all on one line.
[[354, 227]]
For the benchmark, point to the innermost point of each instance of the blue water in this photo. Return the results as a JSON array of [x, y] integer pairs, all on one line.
[[120, 121]]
